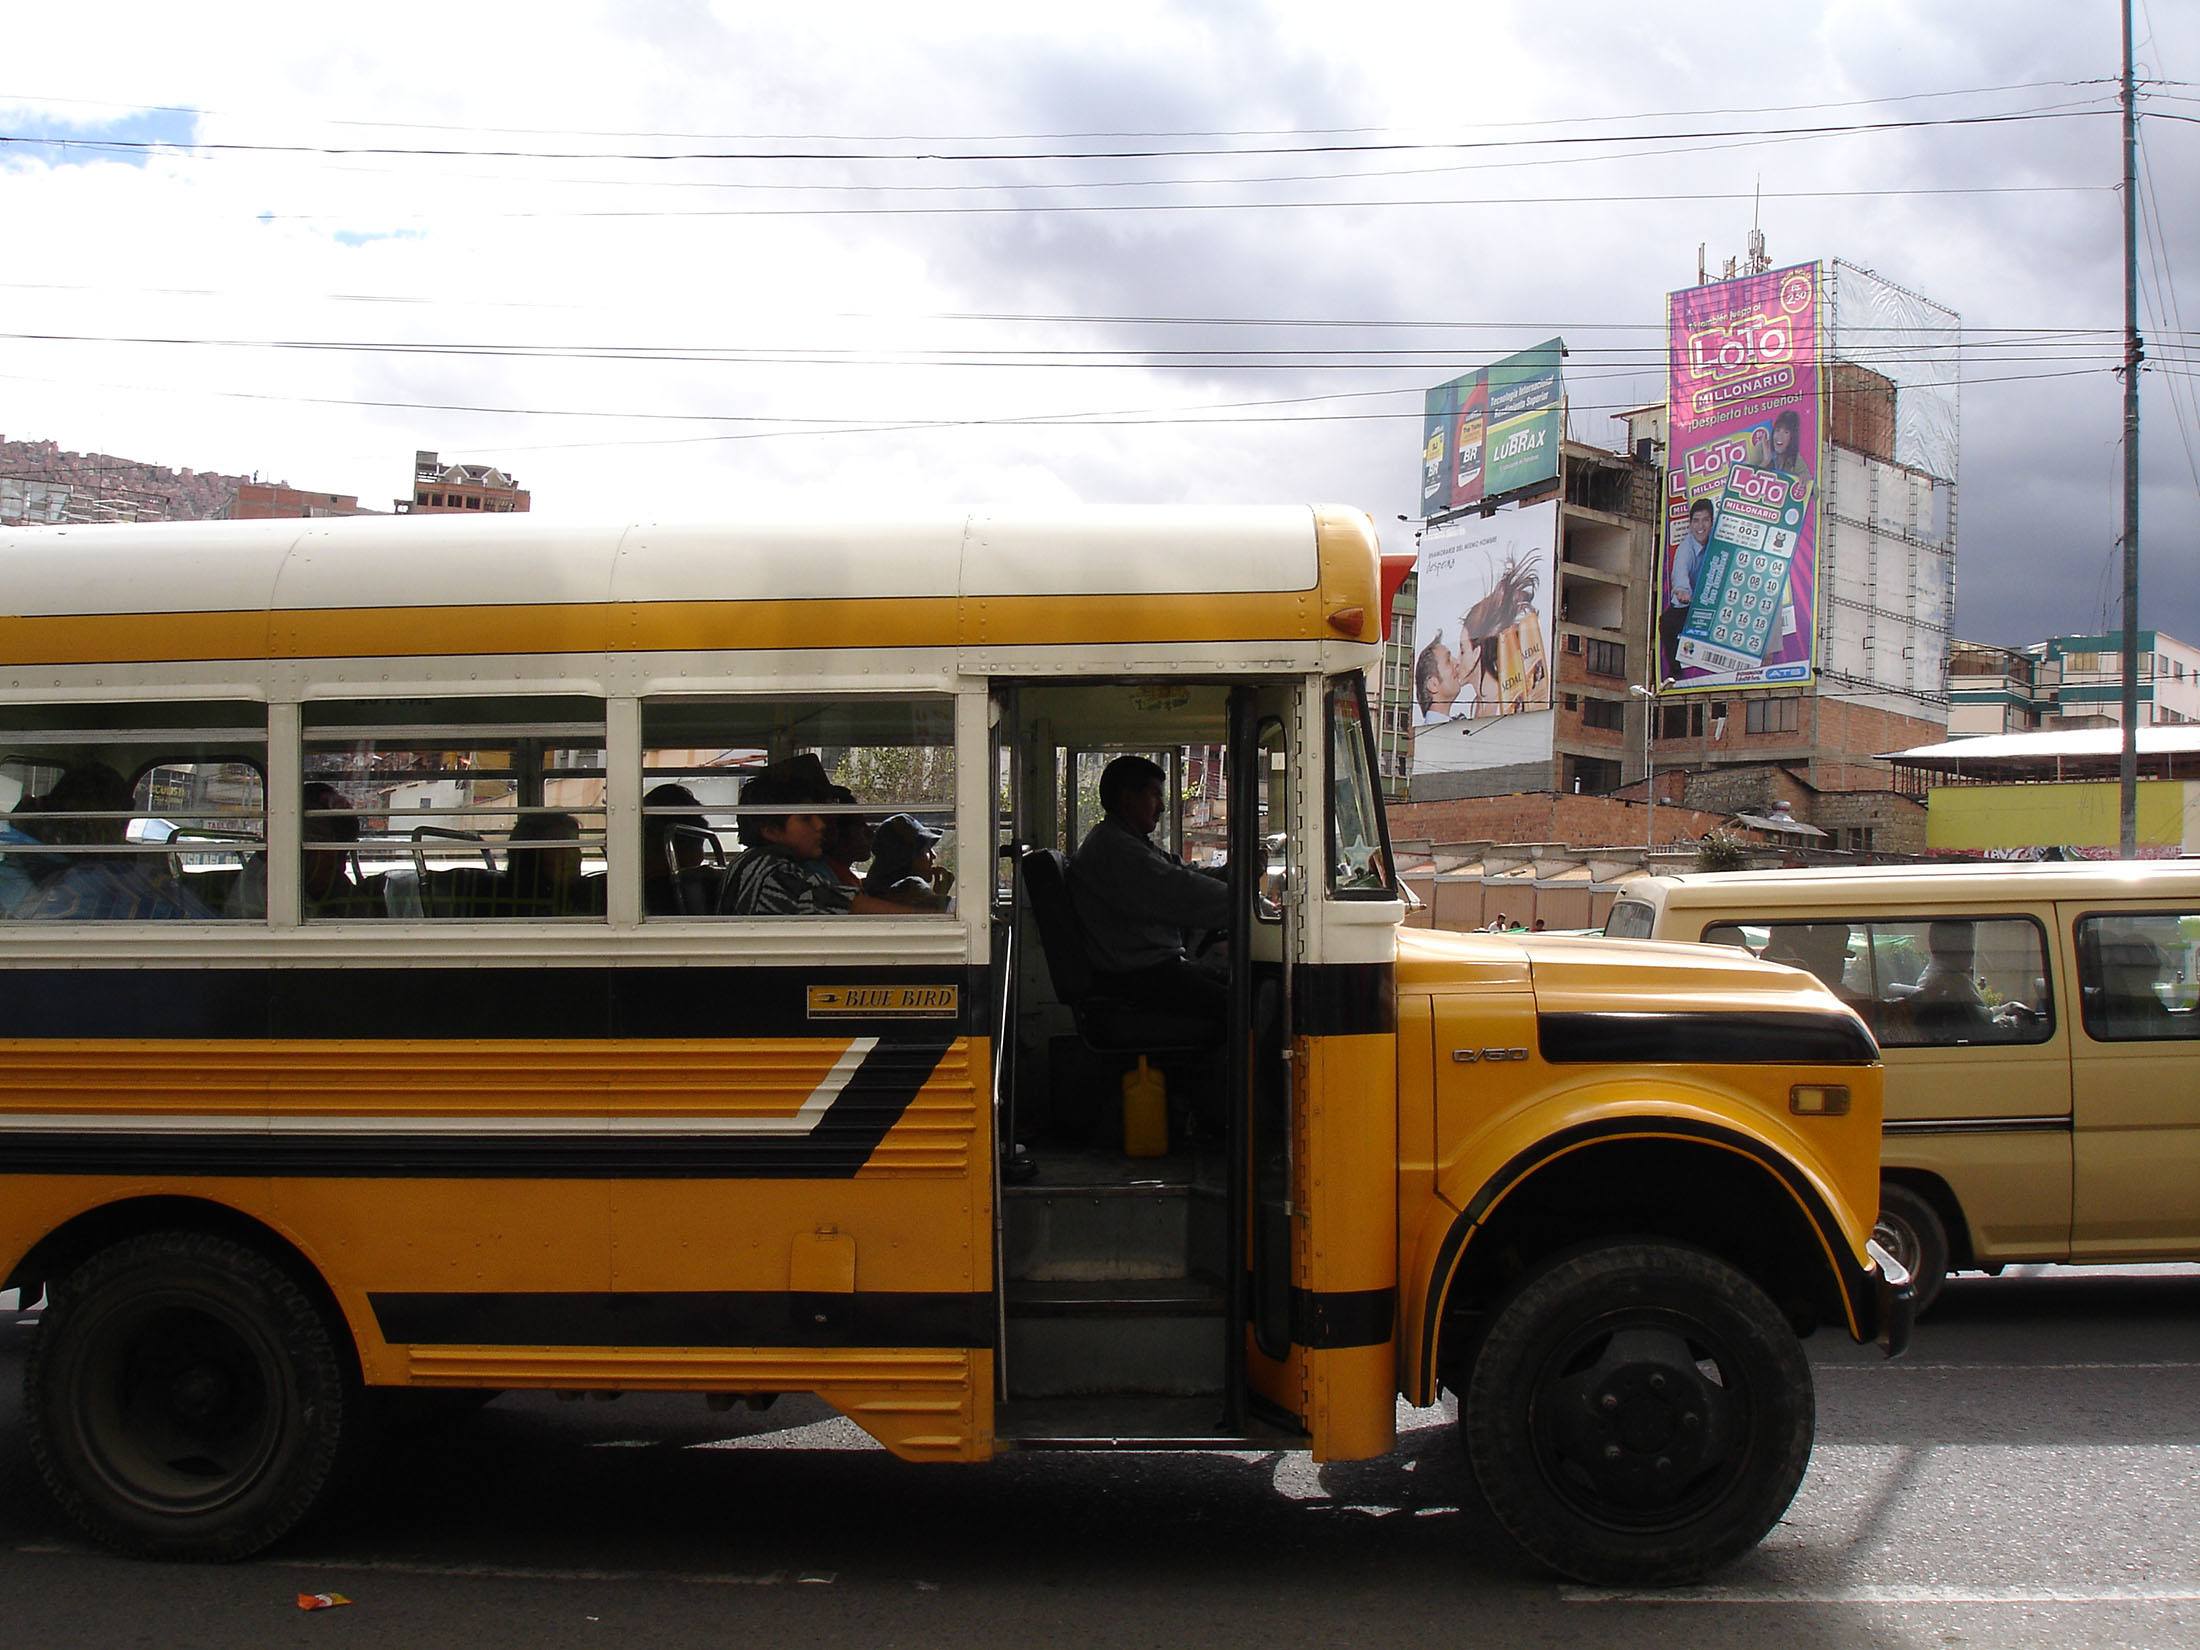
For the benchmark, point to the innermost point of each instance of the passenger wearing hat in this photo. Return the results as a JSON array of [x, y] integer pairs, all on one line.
[[903, 871], [782, 874], [776, 877]]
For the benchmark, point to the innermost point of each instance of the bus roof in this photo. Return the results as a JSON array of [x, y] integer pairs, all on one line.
[[510, 583]]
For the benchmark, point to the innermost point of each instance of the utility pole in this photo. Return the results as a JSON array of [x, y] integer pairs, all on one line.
[[2127, 762]]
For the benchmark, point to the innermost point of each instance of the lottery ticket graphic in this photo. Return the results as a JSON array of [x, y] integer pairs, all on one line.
[[1744, 603]]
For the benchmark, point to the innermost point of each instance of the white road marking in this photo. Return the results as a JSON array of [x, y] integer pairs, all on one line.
[[1905, 1367], [1884, 1595], [470, 1572]]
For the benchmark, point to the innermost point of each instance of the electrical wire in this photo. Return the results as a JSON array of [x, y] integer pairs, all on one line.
[[952, 157], [1066, 137]]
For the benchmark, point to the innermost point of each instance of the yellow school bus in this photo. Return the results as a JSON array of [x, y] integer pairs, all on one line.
[[387, 1007]]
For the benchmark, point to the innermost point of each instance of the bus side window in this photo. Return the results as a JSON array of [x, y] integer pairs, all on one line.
[[138, 812], [758, 805], [488, 808]]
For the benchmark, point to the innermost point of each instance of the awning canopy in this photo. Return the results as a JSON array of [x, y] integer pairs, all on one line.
[[2078, 753]]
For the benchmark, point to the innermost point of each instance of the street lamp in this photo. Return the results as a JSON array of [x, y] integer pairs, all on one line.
[[1649, 696]]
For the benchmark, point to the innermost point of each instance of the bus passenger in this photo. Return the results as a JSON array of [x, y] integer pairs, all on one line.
[[672, 852], [544, 881], [848, 839], [902, 868], [96, 887], [1137, 902], [20, 874], [782, 874], [325, 886]]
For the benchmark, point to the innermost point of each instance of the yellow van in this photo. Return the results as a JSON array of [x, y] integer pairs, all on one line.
[[2040, 1033]]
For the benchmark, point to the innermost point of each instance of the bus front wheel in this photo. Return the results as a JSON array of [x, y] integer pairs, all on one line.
[[1638, 1414], [185, 1398]]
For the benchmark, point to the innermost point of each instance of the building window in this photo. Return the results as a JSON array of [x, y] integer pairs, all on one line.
[[1571, 701], [1607, 659], [1680, 721], [1604, 713], [1573, 643], [1772, 715]]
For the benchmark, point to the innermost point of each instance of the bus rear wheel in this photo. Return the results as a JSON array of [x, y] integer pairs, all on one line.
[[185, 1398], [1638, 1414]]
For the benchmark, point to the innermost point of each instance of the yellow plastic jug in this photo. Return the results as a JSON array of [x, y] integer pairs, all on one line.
[[1145, 1112]]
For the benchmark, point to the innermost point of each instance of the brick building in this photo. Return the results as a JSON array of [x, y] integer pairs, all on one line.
[[440, 488], [273, 501]]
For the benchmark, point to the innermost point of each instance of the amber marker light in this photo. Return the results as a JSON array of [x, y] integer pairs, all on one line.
[[1348, 621], [1819, 1100]]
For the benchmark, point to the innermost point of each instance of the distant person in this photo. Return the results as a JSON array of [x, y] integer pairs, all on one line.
[[1537, 926], [103, 887], [1138, 902]]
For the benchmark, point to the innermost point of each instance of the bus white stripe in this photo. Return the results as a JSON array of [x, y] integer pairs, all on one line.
[[799, 1125]]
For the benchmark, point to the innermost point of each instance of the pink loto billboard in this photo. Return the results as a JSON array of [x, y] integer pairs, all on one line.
[[1738, 585]]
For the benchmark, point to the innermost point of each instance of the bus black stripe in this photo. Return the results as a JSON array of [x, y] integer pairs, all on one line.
[[549, 1003], [714, 1318]]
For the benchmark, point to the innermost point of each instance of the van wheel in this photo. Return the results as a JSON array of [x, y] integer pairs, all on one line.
[[185, 1399], [1638, 1414], [1911, 1230]]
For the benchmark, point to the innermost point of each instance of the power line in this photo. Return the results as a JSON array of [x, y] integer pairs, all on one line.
[[1246, 412], [1064, 137], [1050, 359], [144, 145], [1029, 208]]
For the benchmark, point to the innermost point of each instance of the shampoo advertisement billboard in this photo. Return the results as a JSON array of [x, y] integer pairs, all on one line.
[[1494, 431], [1738, 568], [1483, 647]]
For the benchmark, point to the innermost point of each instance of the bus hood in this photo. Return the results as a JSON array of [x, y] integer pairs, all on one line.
[[1591, 974]]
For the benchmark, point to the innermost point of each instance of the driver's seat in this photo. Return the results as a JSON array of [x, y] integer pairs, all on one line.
[[1112, 1025]]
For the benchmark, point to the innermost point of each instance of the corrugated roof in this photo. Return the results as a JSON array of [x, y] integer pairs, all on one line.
[[2076, 753]]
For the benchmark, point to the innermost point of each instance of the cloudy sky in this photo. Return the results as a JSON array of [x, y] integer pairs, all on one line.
[[688, 258]]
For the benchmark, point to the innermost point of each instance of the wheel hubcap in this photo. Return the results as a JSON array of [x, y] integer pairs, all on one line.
[[179, 1408], [1638, 1425]]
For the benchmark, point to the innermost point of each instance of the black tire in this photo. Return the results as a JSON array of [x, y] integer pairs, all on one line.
[[185, 1398], [1911, 1230], [1638, 1414]]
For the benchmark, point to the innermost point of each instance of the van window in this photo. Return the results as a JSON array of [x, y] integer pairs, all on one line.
[[1920, 981], [1631, 920], [2136, 976]]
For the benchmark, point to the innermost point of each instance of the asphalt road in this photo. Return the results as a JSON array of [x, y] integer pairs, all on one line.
[[2028, 1476]]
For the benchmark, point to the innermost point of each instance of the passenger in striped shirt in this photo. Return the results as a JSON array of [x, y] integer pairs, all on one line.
[[781, 874]]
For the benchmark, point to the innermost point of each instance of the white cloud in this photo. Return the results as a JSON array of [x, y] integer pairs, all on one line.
[[288, 245]]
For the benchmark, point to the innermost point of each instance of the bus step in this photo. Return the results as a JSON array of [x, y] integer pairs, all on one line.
[[1155, 1337], [1132, 1423], [1097, 1234]]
